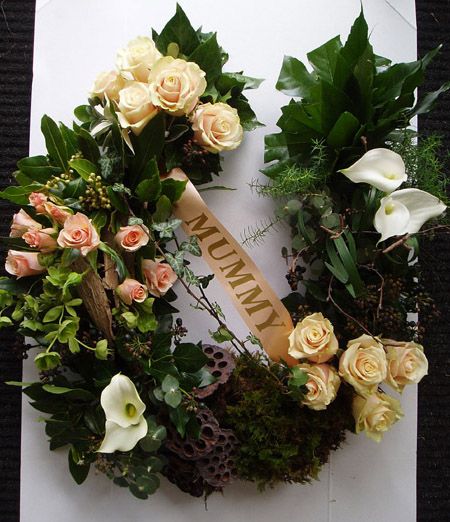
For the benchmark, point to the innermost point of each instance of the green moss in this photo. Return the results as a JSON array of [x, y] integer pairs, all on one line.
[[281, 441]]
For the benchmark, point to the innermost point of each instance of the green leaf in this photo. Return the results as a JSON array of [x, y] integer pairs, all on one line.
[[169, 383], [148, 145], [343, 132], [120, 265], [88, 145], [208, 56], [294, 78], [247, 116], [75, 188], [84, 167], [19, 195], [75, 393], [53, 314], [167, 228], [324, 58], [101, 350], [47, 360], [38, 168], [54, 142], [222, 335], [149, 189], [117, 200], [163, 210], [173, 189], [298, 377], [428, 101], [173, 398], [189, 357], [5, 321], [180, 418], [67, 329], [70, 139], [180, 31], [78, 470], [357, 41]]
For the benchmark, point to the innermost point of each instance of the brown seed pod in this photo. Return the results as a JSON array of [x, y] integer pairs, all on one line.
[[218, 467], [193, 449], [185, 475], [221, 365]]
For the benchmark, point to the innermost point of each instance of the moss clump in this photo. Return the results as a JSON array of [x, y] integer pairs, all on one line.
[[281, 441]]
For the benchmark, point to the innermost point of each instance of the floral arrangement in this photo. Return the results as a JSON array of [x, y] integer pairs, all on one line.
[[94, 259]]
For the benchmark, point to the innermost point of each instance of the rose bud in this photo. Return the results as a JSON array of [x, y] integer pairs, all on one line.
[[131, 290], [37, 200], [159, 276], [79, 233], [132, 238], [22, 222], [22, 264], [41, 239], [58, 214]]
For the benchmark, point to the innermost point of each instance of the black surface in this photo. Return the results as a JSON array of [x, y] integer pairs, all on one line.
[[433, 492]]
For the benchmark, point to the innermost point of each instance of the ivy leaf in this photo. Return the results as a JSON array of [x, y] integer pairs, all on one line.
[[180, 31], [189, 357], [298, 377], [166, 228], [294, 78], [147, 146], [173, 189], [208, 56], [163, 209]]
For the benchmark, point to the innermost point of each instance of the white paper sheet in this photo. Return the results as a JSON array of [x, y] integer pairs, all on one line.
[[74, 40]]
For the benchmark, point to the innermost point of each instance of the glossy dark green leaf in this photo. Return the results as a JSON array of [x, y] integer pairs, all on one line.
[[209, 58], [148, 145], [189, 357], [54, 142], [79, 471], [38, 168], [344, 130], [294, 78], [180, 31]]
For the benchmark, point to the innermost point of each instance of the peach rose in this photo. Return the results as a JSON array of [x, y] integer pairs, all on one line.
[[58, 214], [37, 200], [79, 233], [175, 85], [22, 222], [135, 107], [313, 339], [41, 239], [108, 83], [375, 414], [159, 276], [22, 264], [323, 385], [406, 363], [363, 364], [132, 237], [136, 60], [217, 127], [131, 290]]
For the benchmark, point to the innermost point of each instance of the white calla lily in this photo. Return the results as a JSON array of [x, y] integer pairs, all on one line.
[[383, 169], [124, 411], [405, 211]]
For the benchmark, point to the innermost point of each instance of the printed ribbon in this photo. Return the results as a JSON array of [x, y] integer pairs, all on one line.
[[258, 305]]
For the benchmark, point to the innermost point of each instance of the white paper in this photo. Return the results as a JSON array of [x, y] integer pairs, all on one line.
[[74, 40]]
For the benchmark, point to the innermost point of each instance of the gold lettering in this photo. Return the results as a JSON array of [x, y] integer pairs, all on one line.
[[269, 322], [198, 227], [250, 300], [234, 272], [222, 242]]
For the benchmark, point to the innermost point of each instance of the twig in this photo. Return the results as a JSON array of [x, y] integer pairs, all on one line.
[[398, 243]]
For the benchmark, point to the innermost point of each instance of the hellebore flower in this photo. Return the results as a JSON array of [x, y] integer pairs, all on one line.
[[124, 410], [405, 211], [382, 168]]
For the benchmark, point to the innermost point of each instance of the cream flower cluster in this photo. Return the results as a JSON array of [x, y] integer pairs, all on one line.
[[147, 82], [366, 363], [401, 211]]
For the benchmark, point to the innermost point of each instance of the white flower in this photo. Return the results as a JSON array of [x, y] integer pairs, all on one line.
[[382, 168], [124, 411], [405, 211], [136, 60]]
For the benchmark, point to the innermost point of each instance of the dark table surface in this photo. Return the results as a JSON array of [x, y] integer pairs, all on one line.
[[433, 473]]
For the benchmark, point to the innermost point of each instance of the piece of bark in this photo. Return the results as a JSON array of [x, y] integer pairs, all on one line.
[[95, 300]]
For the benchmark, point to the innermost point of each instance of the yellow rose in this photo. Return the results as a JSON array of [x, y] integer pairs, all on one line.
[[136, 60], [135, 107], [406, 363], [313, 339], [176, 85], [217, 127], [375, 414], [363, 364], [323, 384], [108, 83]]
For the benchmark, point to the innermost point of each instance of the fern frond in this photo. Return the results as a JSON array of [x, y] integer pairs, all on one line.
[[254, 235]]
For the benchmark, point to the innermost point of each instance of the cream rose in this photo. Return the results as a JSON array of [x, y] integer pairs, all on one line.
[[22, 222], [375, 414], [37, 200], [313, 339], [217, 127], [22, 264], [132, 238], [135, 107], [108, 83], [41, 239], [406, 363], [159, 276], [176, 85], [363, 364], [323, 384], [136, 60], [58, 214], [79, 233], [131, 290]]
